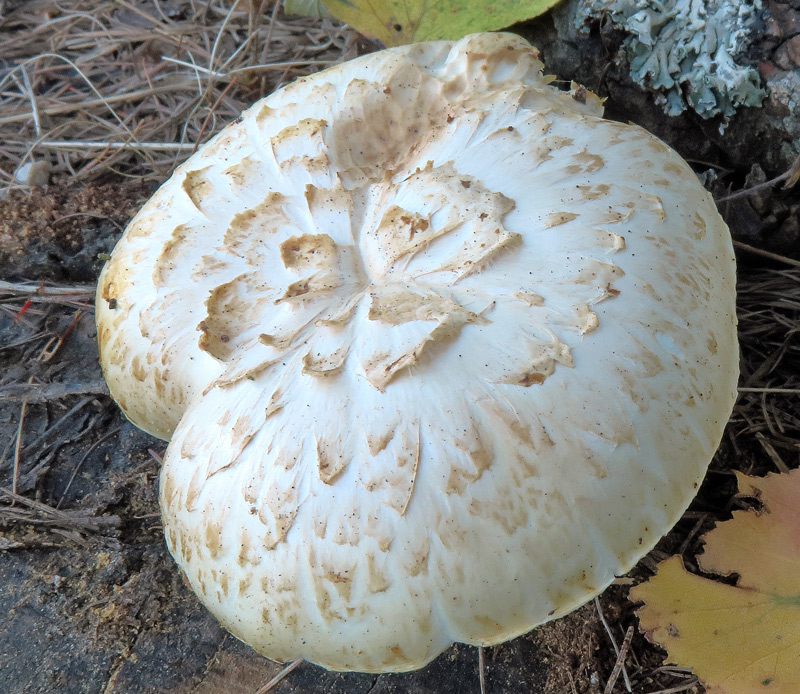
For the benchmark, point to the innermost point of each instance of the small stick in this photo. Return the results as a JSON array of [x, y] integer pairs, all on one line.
[[679, 688], [43, 290], [99, 441], [282, 65], [572, 682], [270, 29], [18, 443], [275, 680], [90, 103], [37, 124], [91, 215], [785, 391], [692, 533], [47, 354], [211, 113], [101, 99], [769, 449], [59, 423], [482, 669], [766, 254], [81, 144], [754, 189], [613, 642], [74, 518], [626, 644], [27, 304], [36, 393], [216, 43], [791, 176]]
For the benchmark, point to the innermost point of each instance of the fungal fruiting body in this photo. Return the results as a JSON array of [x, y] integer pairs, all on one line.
[[440, 352]]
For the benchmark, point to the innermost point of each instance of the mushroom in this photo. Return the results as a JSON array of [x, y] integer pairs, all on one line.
[[440, 351]]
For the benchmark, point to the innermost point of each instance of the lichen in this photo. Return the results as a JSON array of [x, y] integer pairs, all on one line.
[[687, 50]]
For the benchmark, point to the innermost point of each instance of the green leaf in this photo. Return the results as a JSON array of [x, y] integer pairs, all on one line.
[[307, 8], [396, 22]]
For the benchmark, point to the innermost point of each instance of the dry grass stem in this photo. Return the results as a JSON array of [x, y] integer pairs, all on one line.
[[620, 663], [614, 644], [789, 178], [38, 513], [77, 468], [766, 254], [765, 424], [41, 291], [41, 393], [269, 686], [141, 82], [18, 444]]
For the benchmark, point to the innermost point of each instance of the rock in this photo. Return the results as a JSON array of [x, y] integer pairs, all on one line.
[[787, 55]]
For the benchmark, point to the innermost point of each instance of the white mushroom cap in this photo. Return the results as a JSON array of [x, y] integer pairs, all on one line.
[[443, 351]]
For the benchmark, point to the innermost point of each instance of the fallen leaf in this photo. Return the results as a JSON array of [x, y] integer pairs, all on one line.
[[397, 22], [743, 638], [306, 8]]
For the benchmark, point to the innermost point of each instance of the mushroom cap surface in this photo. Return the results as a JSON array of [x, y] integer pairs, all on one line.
[[440, 352]]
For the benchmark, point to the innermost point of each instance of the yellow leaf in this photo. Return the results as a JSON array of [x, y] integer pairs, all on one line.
[[397, 22], [744, 638], [763, 548]]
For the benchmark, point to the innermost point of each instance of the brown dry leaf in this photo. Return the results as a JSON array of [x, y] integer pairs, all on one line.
[[743, 638], [397, 22]]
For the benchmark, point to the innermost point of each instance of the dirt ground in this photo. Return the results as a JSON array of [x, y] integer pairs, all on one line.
[[94, 603]]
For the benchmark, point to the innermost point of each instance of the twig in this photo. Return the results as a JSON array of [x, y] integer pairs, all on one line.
[[766, 254], [99, 76], [59, 423], [747, 192], [258, 67], [613, 641], [270, 28], [680, 688], [128, 146], [791, 176], [48, 353], [769, 449], [39, 290], [88, 82], [211, 113], [40, 393], [37, 125], [18, 443], [572, 682], [91, 215], [281, 675], [282, 66], [99, 441], [68, 519], [785, 391], [623, 651], [217, 39], [195, 67], [702, 518]]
